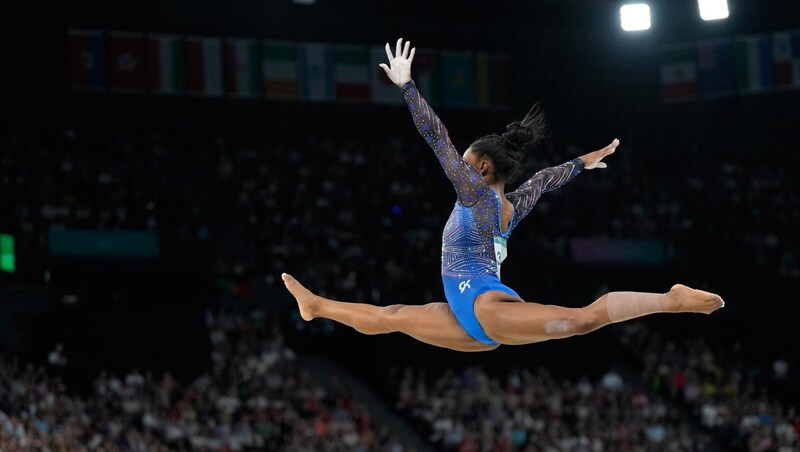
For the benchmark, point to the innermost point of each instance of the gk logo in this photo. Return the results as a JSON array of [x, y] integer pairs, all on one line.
[[463, 285]]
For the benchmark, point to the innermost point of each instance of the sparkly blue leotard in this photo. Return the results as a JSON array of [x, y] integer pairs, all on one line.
[[473, 242]]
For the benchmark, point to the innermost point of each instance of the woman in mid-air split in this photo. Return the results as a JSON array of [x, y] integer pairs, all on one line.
[[481, 312]]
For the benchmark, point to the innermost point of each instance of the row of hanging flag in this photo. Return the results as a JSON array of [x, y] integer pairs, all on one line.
[[743, 65], [171, 64]]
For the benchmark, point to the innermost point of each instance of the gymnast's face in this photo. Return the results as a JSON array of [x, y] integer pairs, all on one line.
[[483, 165]]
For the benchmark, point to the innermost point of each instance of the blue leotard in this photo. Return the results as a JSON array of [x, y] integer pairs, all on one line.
[[473, 242]]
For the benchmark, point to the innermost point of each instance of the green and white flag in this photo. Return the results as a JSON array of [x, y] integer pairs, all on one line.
[[279, 69]]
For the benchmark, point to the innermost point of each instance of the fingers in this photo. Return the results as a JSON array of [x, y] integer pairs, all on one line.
[[405, 49], [385, 69], [389, 52], [411, 57], [398, 47]]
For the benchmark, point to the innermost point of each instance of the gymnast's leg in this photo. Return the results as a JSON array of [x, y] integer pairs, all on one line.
[[432, 323], [510, 322]]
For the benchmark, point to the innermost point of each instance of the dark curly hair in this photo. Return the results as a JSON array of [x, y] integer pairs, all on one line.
[[507, 151]]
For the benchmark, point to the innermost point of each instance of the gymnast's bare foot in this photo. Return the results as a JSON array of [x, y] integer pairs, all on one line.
[[681, 298], [306, 301]]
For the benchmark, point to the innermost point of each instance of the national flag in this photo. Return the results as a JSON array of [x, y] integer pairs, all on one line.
[[754, 64], [678, 73], [426, 71], [166, 64], [786, 59], [279, 69], [715, 71], [491, 80], [315, 70], [87, 59], [458, 69], [126, 58], [383, 90], [241, 68], [352, 72], [204, 66]]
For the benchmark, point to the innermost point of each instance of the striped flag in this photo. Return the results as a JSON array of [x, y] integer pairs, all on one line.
[[87, 60], [458, 69], [786, 59], [678, 73], [383, 90], [715, 68], [204, 66], [166, 62], [352, 72], [492, 81], [315, 70], [126, 55], [241, 68], [427, 74], [279, 69], [754, 64]]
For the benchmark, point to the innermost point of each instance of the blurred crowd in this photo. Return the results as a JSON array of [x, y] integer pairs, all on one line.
[[530, 410], [743, 405], [361, 220], [365, 213], [256, 397]]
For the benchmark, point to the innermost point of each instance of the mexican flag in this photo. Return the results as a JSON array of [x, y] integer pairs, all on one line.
[[166, 62], [241, 64], [87, 59], [352, 72], [754, 65], [279, 69], [678, 73], [204, 66]]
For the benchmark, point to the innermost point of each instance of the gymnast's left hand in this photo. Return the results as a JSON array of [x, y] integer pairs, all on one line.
[[399, 68], [592, 160]]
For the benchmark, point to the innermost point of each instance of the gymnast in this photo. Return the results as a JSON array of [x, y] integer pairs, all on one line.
[[481, 312]]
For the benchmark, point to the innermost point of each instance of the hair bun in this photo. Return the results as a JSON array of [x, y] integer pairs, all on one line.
[[528, 132]]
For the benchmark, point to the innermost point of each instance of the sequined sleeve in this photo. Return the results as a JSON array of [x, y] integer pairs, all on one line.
[[548, 179], [468, 182]]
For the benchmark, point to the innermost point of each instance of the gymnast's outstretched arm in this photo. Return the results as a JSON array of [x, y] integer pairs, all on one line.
[[549, 179], [468, 182]]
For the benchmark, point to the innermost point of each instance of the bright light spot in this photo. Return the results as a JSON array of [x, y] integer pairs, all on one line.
[[713, 9], [635, 16]]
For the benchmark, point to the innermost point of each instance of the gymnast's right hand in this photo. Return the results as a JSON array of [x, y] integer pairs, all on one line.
[[399, 68]]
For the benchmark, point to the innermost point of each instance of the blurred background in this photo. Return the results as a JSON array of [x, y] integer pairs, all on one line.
[[163, 162]]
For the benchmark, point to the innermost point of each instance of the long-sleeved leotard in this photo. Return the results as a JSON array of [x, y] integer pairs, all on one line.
[[473, 242]]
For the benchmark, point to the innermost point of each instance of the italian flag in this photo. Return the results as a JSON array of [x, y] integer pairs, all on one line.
[[204, 66], [166, 58], [754, 66], [352, 72], [678, 73], [279, 69], [786, 59], [241, 63]]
